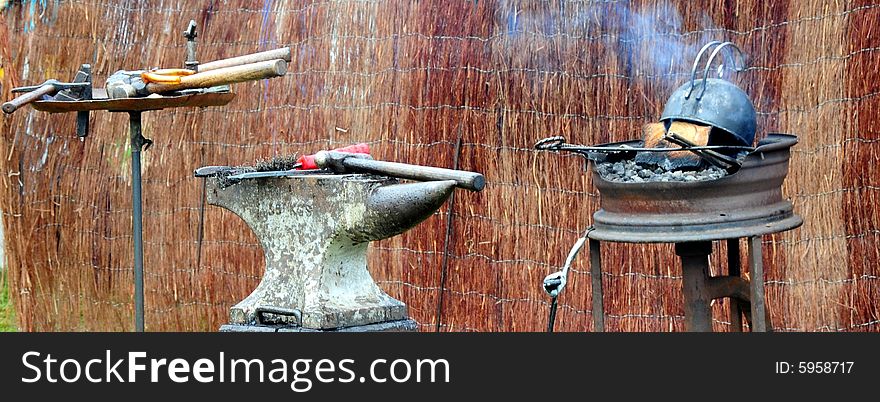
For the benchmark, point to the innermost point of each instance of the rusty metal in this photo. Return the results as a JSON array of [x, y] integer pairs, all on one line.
[[596, 281], [695, 278], [699, 289], [746, 203], [756, 273], [100, 101], [734, 309]]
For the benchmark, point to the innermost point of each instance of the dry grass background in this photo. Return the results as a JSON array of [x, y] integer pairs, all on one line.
[[415, 79]]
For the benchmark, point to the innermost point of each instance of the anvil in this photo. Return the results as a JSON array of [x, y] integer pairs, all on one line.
[[314, 230]]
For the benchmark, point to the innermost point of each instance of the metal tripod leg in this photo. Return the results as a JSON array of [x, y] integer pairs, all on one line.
[[596, 278], [734, 270], [756, 274], [695, 285], [137, 143]]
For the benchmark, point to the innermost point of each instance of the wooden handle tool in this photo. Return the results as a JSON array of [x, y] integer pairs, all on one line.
[[224, 76]]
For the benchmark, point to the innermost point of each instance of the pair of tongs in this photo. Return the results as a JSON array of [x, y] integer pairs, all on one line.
[[166, 75], [558, 143]]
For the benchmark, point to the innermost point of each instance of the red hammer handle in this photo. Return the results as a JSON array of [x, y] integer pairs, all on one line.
[[308, 161]]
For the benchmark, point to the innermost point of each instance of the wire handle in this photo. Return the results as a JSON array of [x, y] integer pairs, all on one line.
[[718, 47], [550, 143], [555, 282]]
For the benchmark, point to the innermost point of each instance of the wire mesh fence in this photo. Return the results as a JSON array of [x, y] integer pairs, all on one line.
[[431, 82]]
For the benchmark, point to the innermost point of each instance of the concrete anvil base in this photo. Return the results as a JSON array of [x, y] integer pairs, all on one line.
[[314, 230]]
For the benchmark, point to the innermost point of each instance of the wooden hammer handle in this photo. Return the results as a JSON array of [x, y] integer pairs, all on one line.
[[29, 97], [463, 179], [224, 76], [282, 53]]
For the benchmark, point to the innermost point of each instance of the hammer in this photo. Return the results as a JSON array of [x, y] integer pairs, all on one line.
[[128, 84], [344, 162], [36, 92]]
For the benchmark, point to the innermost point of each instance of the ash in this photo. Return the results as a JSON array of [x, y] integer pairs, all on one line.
[[631, 172]]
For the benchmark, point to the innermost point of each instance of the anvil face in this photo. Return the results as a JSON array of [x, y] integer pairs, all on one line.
[[314, 230]]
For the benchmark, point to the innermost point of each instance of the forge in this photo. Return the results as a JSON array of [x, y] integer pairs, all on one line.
[[735, 193]]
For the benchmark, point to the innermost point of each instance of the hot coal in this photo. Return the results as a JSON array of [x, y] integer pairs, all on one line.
[[629, 171]]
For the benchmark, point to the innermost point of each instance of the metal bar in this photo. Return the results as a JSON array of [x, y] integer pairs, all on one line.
[[137, 142], [201, 234], [446, 238], [596, 279], [552, 319], [694, 285], [734, 269], [716, 159], [756, 274]]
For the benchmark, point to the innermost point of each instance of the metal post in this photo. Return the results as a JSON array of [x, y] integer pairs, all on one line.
[[695, 278], [137, 142], [734, 269], [756, 273], [596, 278]]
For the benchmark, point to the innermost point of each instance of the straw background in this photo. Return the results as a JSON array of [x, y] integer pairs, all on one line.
[[425, 82]]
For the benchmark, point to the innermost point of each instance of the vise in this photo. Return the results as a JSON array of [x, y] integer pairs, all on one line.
[[314, 227]]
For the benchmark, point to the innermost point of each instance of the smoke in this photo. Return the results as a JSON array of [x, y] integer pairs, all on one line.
[[650, 42]]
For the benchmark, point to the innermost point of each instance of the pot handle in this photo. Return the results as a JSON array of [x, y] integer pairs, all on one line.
[[715, 52]]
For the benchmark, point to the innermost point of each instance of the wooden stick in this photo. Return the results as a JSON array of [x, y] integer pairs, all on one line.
[[224, 76], [29, 97], [282, 53]]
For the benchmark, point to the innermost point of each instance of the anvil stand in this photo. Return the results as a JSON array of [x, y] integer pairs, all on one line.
[[699, 288], [134, 107]]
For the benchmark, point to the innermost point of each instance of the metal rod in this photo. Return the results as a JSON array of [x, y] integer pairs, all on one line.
[[552, 320], [756, 274], [446, 238], [734, 269], [694, 285], [714, 158], [137, 142], [596, 279], [610, 149]]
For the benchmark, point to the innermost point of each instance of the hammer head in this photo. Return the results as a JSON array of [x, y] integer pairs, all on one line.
[[126, 84], [53, 82], [83, 92]]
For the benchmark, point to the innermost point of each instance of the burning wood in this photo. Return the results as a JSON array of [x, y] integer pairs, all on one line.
[[654, 136]]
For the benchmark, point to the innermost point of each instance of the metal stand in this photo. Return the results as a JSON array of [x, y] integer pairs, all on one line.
[[134, 107], [699, 288], [734, 311], [137, 217], [756, 273], [596, 277]]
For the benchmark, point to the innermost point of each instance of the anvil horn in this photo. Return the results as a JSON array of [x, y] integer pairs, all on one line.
[[392, 210]]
